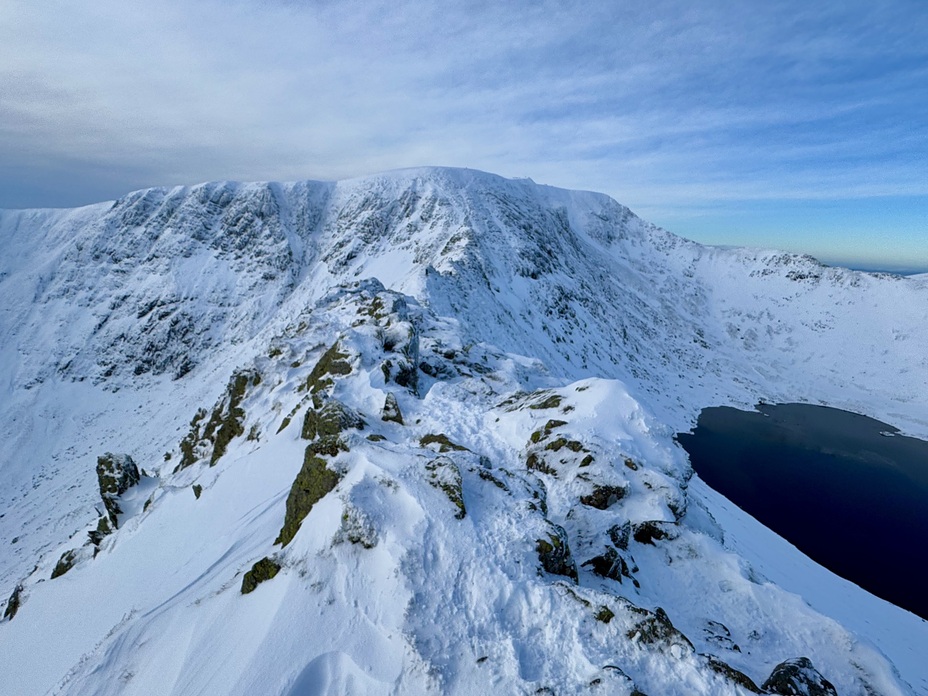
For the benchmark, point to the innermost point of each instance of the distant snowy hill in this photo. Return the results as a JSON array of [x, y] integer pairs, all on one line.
[[425, 419]]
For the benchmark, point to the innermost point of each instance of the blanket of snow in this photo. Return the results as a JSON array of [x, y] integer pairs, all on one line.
[[120, 320]]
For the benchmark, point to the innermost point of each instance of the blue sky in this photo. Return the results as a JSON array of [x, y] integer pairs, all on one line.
[[794, 125]]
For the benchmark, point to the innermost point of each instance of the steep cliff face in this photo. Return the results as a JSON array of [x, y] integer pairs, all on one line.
[[149, 284], [426, 419]]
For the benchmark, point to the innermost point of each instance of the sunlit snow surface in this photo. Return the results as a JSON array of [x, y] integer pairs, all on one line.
[[121, 320]]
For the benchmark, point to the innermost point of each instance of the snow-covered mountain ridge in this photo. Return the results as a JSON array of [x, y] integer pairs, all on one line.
[[532, 327]]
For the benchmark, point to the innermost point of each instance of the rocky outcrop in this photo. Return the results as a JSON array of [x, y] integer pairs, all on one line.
[[545, 431], [333, 362], [314, 481], [103, 528], [554, 554], [399, 337], [445, 475], [798, 677], [443, 443], [731, 674], [65, 563], [228, 418], [654, 530], [603, 497], [13, 603], [265, 569], [330, 420], [391, 410], [657, 630], [551, 456], [226, 422], [619, 535], [116, 473], [609, 565]]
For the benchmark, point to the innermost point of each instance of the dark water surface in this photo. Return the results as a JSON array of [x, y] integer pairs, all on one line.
[[843, 488]]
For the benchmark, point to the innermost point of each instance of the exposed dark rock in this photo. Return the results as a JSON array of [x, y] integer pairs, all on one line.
[[604, 496], [327, 446], [313, 482], [103, 528], [657, 629], [197, 490], [13, 603], [116, 473], [535, 463], [619, 535], [189, 443], [649, 532], [798, 677], [376, 437], [333, 362], [554, 554], [552, 401], [514, 401], [487, 476], [731, 674], [541, 496], [609, 565], [445, 475], [329, 421], [265, 569], [677, 506], [542, 434], [64, 564], [284, 423], [437, 369], [605, 614], [562, 442], [407, 375], [391, 410], [400, 337], [227, 420], [444, 444]]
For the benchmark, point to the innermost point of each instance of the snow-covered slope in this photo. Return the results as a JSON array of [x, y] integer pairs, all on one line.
[[520, 528]]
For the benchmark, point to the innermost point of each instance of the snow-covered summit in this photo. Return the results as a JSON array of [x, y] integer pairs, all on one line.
[[144, 285], [477, 380]]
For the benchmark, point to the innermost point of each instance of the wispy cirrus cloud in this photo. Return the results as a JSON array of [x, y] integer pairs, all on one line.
[[668, 107]]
